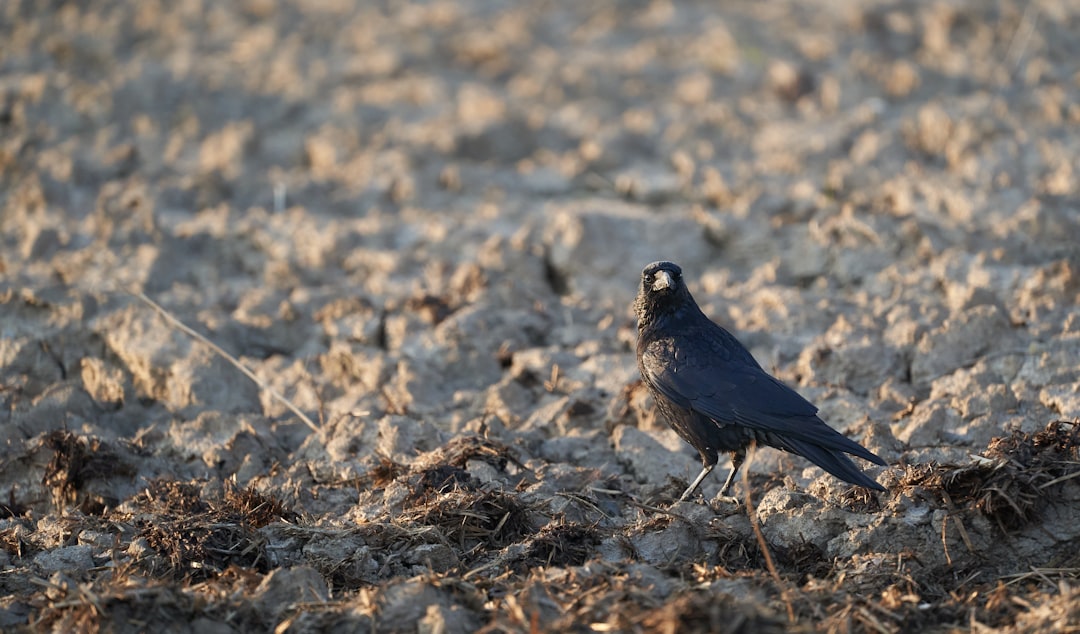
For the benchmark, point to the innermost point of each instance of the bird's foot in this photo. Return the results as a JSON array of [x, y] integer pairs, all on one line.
[[724, 499]]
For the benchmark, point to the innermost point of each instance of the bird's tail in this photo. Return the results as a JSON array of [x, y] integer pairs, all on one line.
[[833, 460]]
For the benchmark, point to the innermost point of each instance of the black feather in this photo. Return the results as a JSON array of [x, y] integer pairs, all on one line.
[[716, 396]]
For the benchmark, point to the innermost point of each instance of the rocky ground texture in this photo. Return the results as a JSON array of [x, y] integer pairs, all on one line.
[[421, 225]]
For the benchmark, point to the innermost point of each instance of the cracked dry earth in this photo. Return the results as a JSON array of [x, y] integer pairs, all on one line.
[[421, 225]]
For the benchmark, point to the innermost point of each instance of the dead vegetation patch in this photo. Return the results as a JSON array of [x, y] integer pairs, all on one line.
[[124, 602], [910, 604], [706, 611], [12, 508], [75, 462], [1011, 481], [599, 596], [606, 596], [443, 469], [383, 473], [474, 521], [804, 559], [538, 571], [103, 609], [13, 539], [446, 497], [859, 500], [200, 538], [172, 498], [460, 450], [561, 544], [439, 479], [735, 551]]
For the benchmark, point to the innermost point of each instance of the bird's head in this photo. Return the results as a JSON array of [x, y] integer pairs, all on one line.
[[663, 292]]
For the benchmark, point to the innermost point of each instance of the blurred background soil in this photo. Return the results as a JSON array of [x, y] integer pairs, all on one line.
[[422, 224]]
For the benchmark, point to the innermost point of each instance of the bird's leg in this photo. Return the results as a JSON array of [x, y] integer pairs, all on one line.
[[737, 458], [705, 471]]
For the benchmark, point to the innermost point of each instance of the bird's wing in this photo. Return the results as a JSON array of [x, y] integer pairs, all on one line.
[[748, 396], [730, 391], [727, 392]]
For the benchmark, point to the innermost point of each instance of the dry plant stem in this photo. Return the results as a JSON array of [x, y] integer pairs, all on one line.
[[944, 541], [1068, 476], [1043, 575], [761, 538], [231, 359], [959, 523]]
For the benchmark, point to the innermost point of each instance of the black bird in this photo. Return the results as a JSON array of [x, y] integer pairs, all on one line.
[[716, 396]]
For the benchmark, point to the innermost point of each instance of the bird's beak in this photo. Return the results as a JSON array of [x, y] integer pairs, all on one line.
[[663, 281]]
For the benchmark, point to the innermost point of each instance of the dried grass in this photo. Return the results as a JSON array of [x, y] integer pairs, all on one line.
[[473, 521], [1011, 481], [519, 569], [75, 462], [201, 538]]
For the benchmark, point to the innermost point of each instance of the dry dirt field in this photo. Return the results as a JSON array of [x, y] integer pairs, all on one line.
[[421, 225]]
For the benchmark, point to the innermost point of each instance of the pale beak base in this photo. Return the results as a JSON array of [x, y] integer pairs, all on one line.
[[663, 281]]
